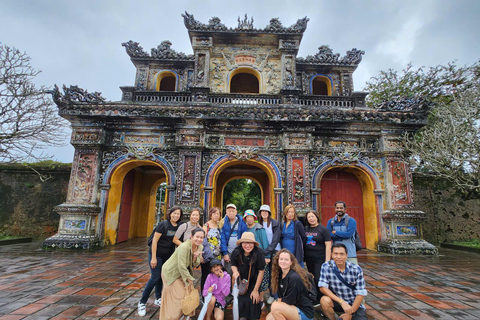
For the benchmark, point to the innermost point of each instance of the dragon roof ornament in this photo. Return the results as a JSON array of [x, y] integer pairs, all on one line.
[[75, 94], [325, 55], [162, 52], [244, 25]]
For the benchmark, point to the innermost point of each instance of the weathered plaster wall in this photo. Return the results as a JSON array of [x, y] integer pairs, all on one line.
[[26, 203], [449, 217]]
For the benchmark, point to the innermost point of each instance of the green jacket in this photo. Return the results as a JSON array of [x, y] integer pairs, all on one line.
[[180, 264]]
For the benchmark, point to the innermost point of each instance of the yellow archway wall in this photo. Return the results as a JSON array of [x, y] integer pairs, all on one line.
[[162, 75], [142, 216], [370, 216], [325, 80], [218, 187], [246, 70]]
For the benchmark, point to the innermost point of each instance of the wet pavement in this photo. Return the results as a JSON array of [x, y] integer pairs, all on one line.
[[107, 284]]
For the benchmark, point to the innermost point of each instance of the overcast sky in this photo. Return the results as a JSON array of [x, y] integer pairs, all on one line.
[[79, 42]]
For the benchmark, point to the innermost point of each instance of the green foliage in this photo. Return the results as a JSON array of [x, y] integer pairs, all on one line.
[[244, 193]]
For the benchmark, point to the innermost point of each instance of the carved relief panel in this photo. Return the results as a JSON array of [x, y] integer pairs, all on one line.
[[83, 176], [87, 136], [141, 79], [401, 186], [298, 180], [190, 138], [226, 59], [189, 182]]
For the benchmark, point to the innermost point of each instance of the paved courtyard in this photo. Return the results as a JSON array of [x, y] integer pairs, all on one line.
[[107, 284]]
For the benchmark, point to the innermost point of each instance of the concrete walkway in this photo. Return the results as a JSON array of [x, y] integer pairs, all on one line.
[[107, 284]]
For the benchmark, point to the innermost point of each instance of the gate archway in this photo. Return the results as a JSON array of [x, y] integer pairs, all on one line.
[[355, 184], [262, 170], [130, 203]]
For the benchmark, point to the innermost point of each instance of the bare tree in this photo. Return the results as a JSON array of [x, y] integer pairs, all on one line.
[[449, 145], [29, 120]]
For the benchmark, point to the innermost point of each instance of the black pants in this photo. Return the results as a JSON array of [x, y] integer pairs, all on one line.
[[314, 268]]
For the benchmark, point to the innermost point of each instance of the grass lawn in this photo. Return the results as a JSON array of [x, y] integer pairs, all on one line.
[[475, 243]]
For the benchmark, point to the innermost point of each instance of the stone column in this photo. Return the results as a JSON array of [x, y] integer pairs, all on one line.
[[78, 214], [402, 223], [202, 47], [279, 202]]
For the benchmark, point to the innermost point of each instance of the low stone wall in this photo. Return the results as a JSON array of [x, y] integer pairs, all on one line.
[[27, 202], [449, 217]]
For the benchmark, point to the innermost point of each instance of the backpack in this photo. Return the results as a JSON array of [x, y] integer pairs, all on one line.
[[312, 293], [355, 238]]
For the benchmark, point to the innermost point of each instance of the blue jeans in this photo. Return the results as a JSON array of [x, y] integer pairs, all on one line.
[[302, 315], [155, 280]]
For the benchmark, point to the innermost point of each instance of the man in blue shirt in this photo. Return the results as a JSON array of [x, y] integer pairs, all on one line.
[[342, 232], [232, 230], [343, 286]]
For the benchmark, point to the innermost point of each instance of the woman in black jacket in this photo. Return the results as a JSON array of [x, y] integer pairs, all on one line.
[[272, 228], [292, 283]]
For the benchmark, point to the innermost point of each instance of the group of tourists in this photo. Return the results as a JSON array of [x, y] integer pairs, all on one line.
[[263, 258]]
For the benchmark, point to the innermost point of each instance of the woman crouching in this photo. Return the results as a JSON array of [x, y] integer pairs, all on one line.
[[177, 273], [292, 284], [248, 263]]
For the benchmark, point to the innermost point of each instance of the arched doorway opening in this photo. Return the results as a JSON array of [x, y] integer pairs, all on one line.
[[244, 193], [356, 188], [132, 208], [321, 85], [236, 169], [245, 80], [166, 81]]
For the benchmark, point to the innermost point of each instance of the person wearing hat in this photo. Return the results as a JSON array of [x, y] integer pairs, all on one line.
[[274, 233], [218, 283], [248, 263], [252, 226], [232, 230], [261, 237]]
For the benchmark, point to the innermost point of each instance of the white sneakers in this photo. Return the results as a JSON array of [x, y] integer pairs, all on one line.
[[142, 309]]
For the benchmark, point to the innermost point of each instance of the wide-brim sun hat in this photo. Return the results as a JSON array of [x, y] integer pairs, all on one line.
[[249, 212], [264, 207], [247, 237]]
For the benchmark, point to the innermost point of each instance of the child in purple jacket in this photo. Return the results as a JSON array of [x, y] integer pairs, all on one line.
[[218, 282]]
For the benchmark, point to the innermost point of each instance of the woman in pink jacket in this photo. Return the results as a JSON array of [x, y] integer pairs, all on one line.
[[218, 283]]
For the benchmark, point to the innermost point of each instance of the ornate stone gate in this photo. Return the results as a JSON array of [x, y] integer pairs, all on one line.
[[243, 105]]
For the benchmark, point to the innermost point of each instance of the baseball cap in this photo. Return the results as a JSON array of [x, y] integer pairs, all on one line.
[[231, 205]]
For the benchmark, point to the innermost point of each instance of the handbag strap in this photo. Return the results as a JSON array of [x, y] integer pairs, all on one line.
[[249, 271], [335, 271], [231, 231]]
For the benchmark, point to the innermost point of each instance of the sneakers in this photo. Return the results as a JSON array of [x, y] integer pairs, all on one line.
[[158, 302], [270, 300], [142, 309]]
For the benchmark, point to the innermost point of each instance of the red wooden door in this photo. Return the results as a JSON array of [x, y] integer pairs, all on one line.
[[338, 185], [126, 206]]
